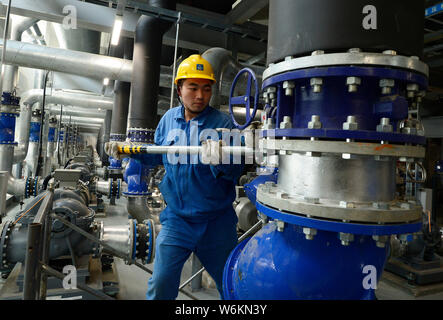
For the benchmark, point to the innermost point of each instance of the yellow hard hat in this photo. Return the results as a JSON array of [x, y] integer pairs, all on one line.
[[195, 67]]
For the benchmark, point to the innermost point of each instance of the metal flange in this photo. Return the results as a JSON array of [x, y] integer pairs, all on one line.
[[387, 213], [349, 58], [341, 147]]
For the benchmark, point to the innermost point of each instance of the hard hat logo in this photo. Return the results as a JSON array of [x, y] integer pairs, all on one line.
[[195, 66]]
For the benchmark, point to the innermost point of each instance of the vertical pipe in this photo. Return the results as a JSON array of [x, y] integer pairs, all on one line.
[[31, 261], [175, 59], [3, 189], [105, 132], [146, 68], [5, 33], [121, 92]]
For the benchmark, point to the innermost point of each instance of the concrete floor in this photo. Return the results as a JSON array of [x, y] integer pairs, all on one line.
[[133, 280]]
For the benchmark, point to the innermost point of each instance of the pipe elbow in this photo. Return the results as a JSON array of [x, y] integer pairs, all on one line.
[[23, 187], [138, 208], [16, 187]]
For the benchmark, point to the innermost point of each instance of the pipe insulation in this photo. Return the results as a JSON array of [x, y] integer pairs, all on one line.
[[146, 67], [67, 61], [67, 98]]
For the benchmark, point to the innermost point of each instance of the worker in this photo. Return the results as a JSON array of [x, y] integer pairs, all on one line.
[[199, 216]]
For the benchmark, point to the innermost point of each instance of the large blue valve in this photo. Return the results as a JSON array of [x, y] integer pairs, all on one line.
[[244, 100]]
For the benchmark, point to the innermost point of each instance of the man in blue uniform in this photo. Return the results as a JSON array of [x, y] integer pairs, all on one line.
[[199, 216]]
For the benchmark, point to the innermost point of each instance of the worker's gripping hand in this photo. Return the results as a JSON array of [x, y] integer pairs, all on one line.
[[212, 152], [111, 149]]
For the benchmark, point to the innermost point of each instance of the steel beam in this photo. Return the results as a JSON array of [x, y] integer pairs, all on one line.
[[101, 18], [245, 9]]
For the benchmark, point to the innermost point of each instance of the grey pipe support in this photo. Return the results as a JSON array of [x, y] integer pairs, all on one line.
[[67, 61]]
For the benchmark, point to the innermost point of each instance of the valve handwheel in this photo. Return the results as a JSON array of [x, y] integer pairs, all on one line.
[[246, 99]]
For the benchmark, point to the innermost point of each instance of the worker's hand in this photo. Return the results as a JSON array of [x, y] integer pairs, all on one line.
[[212, 151], [111, 149]]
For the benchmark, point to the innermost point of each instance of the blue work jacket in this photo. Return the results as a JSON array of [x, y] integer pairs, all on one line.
[[191, 189]]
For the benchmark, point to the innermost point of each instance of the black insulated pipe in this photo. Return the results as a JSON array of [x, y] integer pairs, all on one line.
[[121, 91], [297, 28], [146, 67]]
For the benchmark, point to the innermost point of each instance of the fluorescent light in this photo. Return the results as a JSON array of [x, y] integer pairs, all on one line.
[[105, 81], [118, 23]]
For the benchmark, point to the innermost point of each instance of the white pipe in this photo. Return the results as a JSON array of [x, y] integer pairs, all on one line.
[[11, 71], [76, 111], [22, 133], [67, 98], [67, 61], [78, 119]]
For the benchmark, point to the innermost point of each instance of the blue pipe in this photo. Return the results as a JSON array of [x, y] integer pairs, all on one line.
[[274, 265]]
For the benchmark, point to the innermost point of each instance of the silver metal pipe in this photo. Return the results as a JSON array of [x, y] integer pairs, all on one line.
[[11, 71], [224, 67], [6, 157], [5, 33], [138, 208], [22, 133], [30, 161], [17, 187], [67, 98], [67, 61], [3, 189], [76, 111], [78, 119], [103, 187]]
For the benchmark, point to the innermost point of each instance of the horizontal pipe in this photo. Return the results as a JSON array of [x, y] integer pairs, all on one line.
[[103, 187], [75, 119], [152, 149], [76, 111], [11, 71], [16, 187], [67, 98], [67, 61]]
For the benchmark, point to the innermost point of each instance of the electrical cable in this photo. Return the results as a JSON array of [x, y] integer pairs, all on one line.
[[40, 144], [23, 214]]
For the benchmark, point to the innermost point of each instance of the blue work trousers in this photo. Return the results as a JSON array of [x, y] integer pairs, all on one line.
[[211, 240]]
